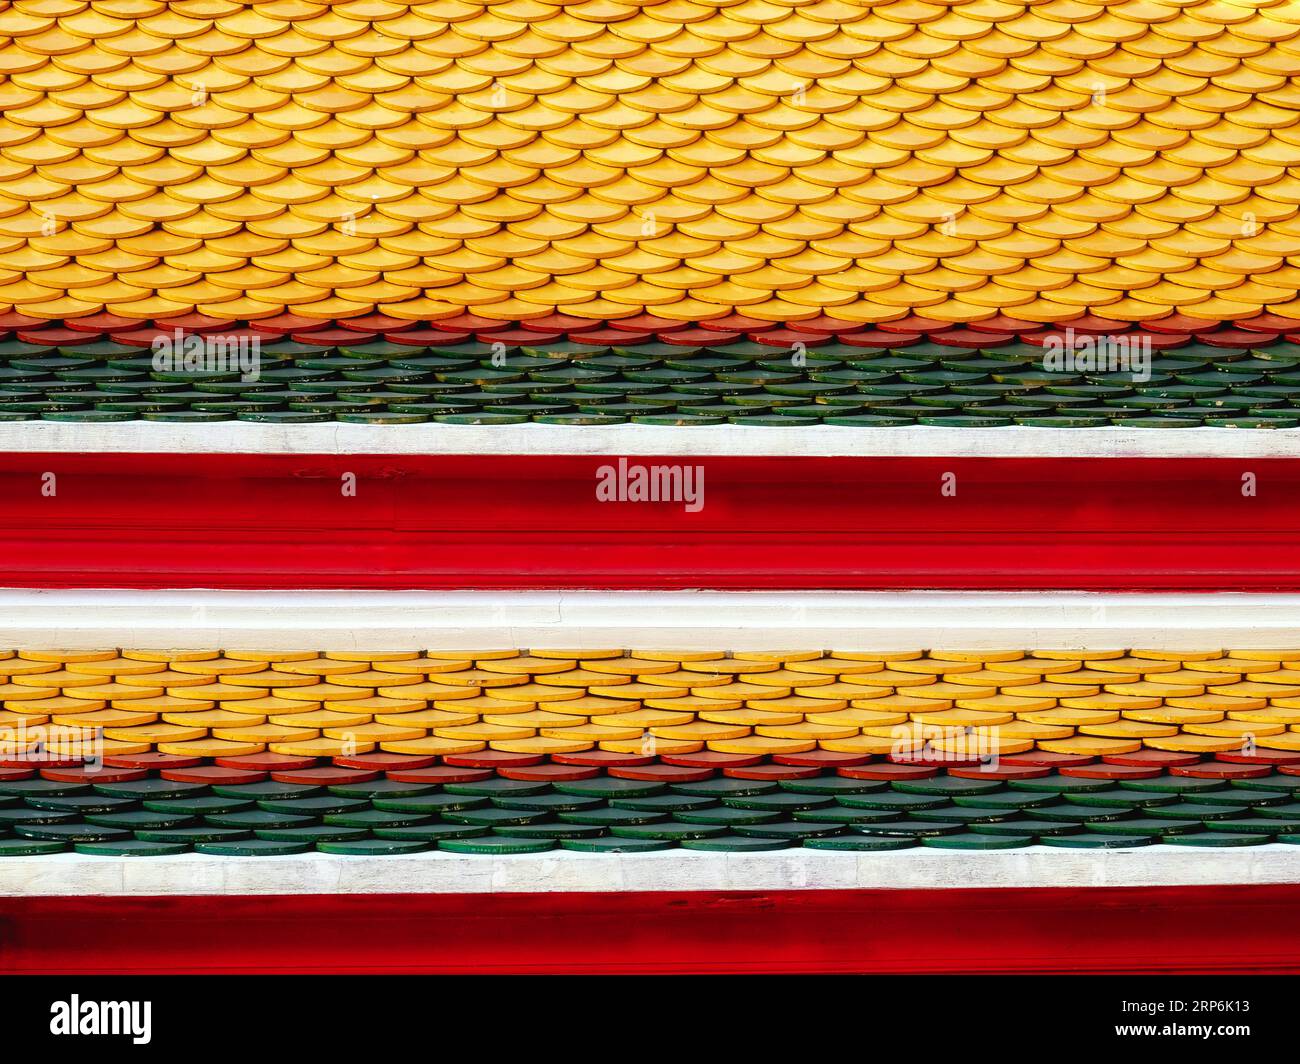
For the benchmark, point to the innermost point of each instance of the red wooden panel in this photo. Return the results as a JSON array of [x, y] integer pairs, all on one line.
[[440, 522], [1156, 929]]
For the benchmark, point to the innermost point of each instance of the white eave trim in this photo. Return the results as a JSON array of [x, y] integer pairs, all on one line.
[[669, 870], [665, 620], [629, 439]]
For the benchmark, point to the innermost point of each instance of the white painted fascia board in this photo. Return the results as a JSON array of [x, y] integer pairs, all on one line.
[[695, 441], [665, 620], [671, 870]]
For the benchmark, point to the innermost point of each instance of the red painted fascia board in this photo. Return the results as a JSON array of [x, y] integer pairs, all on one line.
[[1171, 929], [465, 521]]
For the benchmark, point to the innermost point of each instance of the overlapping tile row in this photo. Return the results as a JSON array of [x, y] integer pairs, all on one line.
[[852, 158], [378, 370], [501, 804], [949, 704]]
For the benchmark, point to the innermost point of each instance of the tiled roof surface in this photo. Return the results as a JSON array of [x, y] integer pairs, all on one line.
[[551, 702], [264, 805], [687, 157], [745, 372], [247, 754]]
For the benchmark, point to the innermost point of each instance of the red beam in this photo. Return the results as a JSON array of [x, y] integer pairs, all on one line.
[[1060, 930], [441, 522]]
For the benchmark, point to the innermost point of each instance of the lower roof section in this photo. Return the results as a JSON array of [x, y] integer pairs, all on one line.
[[1091, 769], [677, 620]]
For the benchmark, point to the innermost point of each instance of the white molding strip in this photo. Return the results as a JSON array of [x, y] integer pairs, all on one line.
[[703, 441], [687, 620], [671, 870]]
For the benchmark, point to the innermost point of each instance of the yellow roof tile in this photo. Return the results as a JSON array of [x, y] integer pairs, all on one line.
[[1140, 134]]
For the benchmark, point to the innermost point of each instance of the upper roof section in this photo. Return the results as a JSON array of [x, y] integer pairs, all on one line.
[[686, 158]]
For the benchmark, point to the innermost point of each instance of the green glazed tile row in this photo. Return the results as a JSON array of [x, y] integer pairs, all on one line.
[[574, 383], [498, 815]]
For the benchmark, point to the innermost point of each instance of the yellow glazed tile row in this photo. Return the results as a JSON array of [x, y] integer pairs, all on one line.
[[785, 158], [212, 704]]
